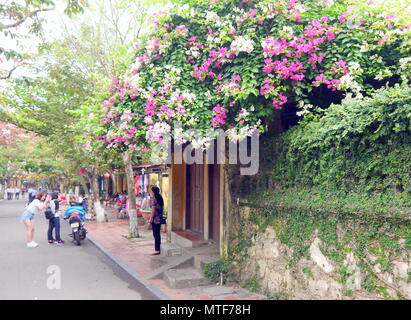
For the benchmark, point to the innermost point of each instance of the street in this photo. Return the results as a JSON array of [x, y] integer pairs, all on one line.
[[57, 272]]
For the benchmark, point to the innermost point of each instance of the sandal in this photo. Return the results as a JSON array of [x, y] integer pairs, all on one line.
[[155, 254]]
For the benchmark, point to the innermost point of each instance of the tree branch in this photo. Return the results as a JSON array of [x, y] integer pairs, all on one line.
[[8, 75], [29, 15], [7, 119]]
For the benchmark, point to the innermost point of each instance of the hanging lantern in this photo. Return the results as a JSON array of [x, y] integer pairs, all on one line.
[[82, 171], [106, 175]]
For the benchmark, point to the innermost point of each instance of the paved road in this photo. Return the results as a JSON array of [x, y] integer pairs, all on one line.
[[86, 273]]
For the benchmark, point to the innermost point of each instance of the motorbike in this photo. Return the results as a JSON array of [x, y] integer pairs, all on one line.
[[77, 227]]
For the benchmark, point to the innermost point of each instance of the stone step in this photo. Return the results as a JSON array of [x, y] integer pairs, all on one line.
[[162, 264], [184, 278], [186, 242], [201, 260], [170, 249], [158, 261]]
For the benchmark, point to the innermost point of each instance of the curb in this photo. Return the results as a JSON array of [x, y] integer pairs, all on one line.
[[137, 276]]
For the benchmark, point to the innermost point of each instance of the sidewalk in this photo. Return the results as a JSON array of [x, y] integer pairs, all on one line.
[[134, 257]]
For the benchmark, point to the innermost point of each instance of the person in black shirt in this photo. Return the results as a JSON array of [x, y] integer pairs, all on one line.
[[157, 218]]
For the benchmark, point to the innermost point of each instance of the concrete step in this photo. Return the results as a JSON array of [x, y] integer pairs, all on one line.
[[184, 278], [187, 242], [158, 261], [210, 249], [162, 264], [201, 260], [170, 249]]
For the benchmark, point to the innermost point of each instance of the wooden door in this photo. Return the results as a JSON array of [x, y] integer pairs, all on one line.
[[195, 201]]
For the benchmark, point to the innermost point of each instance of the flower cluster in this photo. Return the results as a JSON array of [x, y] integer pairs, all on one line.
[[230, 63], [290, 57], [230, 88], [220, 116], [241, 44]]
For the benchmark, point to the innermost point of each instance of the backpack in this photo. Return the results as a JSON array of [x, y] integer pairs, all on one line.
[[49, 213], [57, 204]]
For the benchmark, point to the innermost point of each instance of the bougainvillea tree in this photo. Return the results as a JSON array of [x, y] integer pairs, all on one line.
[[231, 64]]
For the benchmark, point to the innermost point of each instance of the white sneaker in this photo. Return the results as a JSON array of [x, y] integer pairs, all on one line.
[[32, 244]]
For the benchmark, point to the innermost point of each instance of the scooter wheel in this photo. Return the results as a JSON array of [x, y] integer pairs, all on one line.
[[77, 238]]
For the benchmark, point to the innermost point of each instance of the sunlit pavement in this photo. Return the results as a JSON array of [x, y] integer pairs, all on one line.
[[85, 272]]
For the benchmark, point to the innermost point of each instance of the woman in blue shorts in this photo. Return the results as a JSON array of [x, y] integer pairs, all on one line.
[[35, 207]]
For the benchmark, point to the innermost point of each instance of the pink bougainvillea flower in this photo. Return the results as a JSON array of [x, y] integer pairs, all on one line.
[[252, 13], [220, 115], [278, 103]]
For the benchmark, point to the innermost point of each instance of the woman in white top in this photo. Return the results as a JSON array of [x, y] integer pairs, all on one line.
[[35, 207]]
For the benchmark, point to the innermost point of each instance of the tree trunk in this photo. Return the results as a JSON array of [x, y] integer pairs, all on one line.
[[84, 180], [90, 199], [98, 209], [83, 183], [277, 125], [132, 211], [114, 179]]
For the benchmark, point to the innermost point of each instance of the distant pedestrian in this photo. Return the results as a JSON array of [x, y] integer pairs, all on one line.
[[122, 205], [157, 218], [23, 191], [31, 192], [17, 193], [9, 192], [54, 223], [40, 202], [80, 199]]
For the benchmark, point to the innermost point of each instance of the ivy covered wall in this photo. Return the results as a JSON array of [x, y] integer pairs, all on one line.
[[333, 196]]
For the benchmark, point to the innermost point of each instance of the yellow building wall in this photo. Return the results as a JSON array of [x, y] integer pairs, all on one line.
[[177, 196], [153, 180], [165, 192]]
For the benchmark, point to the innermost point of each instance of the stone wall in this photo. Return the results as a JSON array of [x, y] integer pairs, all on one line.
[[314, 277]]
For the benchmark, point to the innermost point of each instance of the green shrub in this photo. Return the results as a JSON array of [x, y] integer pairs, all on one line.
[[361, 144], [214, 270]]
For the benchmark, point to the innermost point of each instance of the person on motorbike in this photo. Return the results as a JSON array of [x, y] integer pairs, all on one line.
[[75, 209], [76, 218]]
